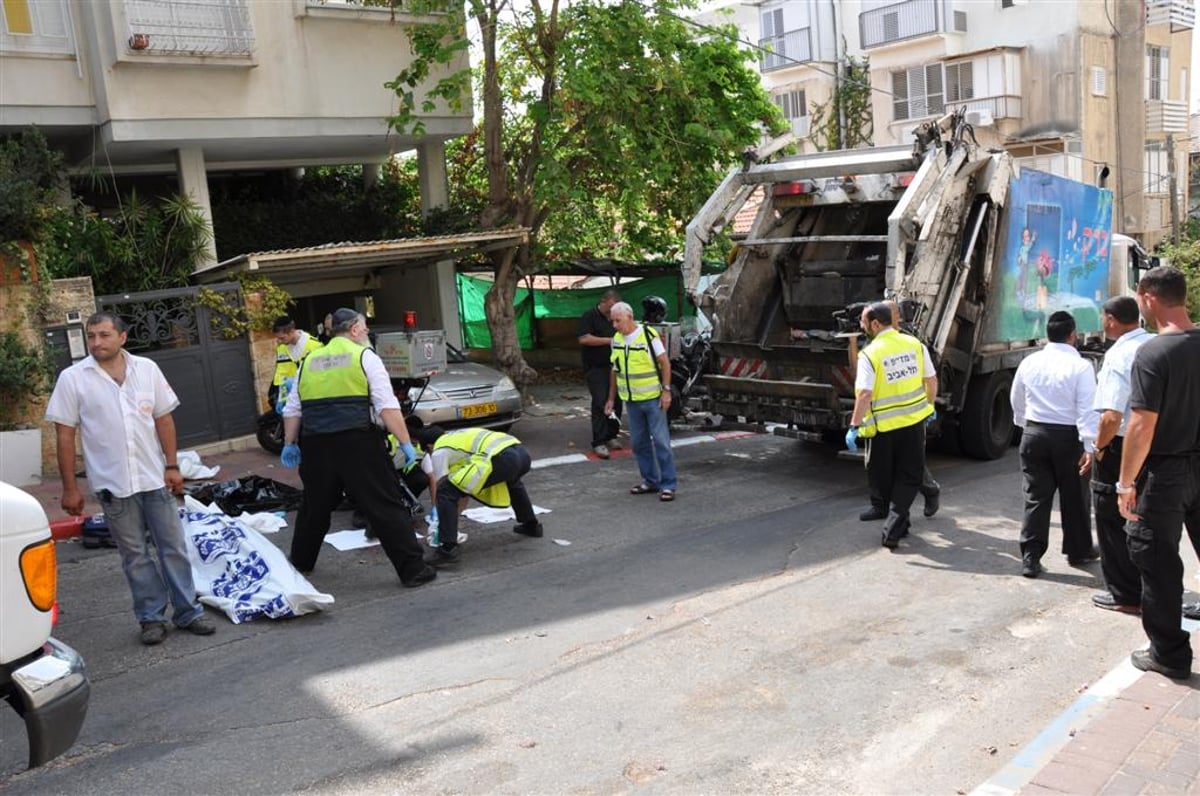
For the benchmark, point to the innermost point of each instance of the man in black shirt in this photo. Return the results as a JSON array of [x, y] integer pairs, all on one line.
[[595, 344], [1159, 486]]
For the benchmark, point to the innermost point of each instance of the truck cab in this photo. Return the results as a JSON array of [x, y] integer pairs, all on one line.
[[43, 679]]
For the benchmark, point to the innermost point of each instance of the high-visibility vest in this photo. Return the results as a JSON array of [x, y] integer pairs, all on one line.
[[470, 473], [334, 393], [285, 366], [393, 448], [638, 378], [898, 397]]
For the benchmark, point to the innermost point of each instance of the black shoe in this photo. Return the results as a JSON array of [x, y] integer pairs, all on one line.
[[890, 542], [1085, 559], [873, 513], [443, 557], [200, 626], [933, 503], [525, 529], [1106, 601], [153, 633], [1191, 610], [1031, 567], [1142, 659], [421, 578]]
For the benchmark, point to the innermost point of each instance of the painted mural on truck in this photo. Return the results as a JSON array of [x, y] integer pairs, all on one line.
[[1054, 256]]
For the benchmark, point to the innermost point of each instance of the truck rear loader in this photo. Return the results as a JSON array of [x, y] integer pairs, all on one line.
[[976, 251]]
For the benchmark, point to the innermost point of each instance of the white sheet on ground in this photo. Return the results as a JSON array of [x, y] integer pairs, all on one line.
[[240, 572], [191, 468], [489, 514], [262, 521]]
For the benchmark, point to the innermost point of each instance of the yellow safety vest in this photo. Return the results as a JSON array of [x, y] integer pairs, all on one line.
[[285, 366], [470, 474], [638, 378], [393, 447], [898, 397], [334, 393]]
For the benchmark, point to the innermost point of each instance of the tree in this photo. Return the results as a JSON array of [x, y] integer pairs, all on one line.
[[603, 127], [1186, 257]]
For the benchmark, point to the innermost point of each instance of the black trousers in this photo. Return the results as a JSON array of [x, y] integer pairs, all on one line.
[[357, 463], [1120, 575], [1050, 463], [597, 379], [509, 466], [1168, 496], [928, 488], [895, 468]]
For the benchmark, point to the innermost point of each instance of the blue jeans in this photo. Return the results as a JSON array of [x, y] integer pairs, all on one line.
[[651, 443], [136, 521]]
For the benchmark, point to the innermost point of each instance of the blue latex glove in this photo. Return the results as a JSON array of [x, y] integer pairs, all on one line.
[[931, 418], [410, 453], [433, 513], [852, 439], [290, 455]]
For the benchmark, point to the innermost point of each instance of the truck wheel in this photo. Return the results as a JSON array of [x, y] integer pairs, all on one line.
[[986, 424]]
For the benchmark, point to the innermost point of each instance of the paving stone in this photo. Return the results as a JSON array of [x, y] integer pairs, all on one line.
[[1068, 778], [1123, 784]]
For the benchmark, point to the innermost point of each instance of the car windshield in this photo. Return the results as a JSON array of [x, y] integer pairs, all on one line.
[[455, 356]]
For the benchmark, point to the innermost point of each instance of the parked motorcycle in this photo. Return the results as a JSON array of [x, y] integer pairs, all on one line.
[[270, 431], [688, 370]]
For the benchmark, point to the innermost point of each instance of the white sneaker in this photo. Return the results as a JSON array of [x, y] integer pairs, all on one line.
[[601, 451]]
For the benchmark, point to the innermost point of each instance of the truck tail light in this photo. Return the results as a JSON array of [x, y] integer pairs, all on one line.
[[794, 188], [40, 572], [410, 320]]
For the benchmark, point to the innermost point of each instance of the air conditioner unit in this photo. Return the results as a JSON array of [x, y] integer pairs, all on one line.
[[980, 118]]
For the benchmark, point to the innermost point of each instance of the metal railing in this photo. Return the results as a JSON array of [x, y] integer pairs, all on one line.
[[190, 27], [1005, 106], [792, 48], [1179, 14], [908, 19], [1166, 116]]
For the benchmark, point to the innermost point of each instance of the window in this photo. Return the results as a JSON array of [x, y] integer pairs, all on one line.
[[1156, 167], [35, 26], [960, 82], [1099, 81], [794, 105], [1158, 63], [917, 92]]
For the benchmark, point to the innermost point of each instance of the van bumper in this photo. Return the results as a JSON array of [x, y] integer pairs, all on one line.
[[51, 694]]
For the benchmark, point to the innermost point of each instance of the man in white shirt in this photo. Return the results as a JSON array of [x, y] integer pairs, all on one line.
[[1052, 395], [121, 404], [1120, 318]]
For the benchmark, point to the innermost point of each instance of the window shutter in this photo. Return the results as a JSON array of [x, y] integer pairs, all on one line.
[[935, 97], [900, 95]]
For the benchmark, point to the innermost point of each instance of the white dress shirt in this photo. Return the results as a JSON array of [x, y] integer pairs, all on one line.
[[380, 384], [121, 450], [296, 351], [1113, 387], [1056, 385]]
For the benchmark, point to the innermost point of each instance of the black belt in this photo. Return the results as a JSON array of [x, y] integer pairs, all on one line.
[[1051, 426]]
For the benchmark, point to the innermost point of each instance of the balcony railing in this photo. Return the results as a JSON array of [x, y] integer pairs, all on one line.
[[1179, 14], [790, 49], [1007, 106], [909, 19], [1165, 116], [190, 27]]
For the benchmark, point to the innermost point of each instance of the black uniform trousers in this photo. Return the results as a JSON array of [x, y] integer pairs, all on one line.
[[895, 467], [357, 463], [1050, 456], [1168, 496], [1120, 575], [509, 466], [597, 379]]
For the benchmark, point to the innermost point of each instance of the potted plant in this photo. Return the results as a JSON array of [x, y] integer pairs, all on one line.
[[25, 372]]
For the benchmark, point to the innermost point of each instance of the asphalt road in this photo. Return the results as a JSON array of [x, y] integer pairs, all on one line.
[[752, 636]]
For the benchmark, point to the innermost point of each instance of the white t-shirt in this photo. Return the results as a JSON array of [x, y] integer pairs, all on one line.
[[121, 450]]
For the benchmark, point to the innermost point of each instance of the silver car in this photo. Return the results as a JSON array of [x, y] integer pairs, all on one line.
[[466, 394]]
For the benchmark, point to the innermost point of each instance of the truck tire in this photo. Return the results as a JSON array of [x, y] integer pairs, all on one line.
[[986, 424]]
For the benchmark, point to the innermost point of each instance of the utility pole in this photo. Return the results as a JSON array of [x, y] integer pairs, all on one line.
[[1171, 186]]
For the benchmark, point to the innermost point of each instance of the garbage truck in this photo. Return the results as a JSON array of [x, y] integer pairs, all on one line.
[[976, 252]]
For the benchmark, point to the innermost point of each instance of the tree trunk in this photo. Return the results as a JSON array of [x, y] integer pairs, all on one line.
[[502, 321]]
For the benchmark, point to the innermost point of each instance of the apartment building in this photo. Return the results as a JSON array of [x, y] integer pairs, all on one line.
[[189, 88], [1067, 86]]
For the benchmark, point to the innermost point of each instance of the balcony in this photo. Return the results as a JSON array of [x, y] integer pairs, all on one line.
[[910, 19], [1007, 106], [1166, 116], [791, 49], [1178, 14], [189, 27]]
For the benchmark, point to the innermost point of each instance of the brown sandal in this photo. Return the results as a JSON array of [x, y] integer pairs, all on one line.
[[642, 489], [667, 495]]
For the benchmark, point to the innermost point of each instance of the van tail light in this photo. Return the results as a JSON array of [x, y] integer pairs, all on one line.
[[401, 394], [39, 571]]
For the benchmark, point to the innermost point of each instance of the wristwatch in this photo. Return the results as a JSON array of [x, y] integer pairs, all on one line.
[[1123, 489]]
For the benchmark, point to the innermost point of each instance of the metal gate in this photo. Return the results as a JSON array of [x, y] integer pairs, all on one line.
[[208, 366]]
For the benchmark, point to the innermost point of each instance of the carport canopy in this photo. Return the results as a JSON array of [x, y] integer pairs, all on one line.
[[366, 261]]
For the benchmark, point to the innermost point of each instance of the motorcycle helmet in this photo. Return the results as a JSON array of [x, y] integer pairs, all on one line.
[[654, 309]]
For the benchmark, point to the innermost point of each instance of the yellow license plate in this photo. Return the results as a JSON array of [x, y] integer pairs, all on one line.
[[477, 410]]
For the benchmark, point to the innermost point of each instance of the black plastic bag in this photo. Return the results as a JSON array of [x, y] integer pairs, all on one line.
[[250, 494]]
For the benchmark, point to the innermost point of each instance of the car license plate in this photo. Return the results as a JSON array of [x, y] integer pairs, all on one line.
[[477, 410]]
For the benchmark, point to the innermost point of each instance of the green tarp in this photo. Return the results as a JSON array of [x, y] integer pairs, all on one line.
[[555, 304]]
